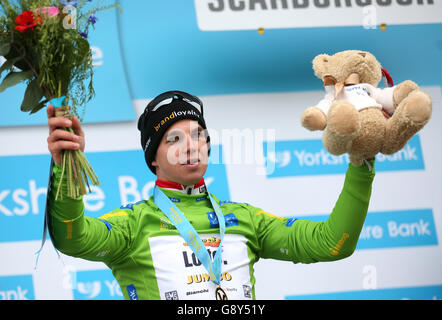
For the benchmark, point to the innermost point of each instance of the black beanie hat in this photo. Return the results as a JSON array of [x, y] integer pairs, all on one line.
[[154, 122]]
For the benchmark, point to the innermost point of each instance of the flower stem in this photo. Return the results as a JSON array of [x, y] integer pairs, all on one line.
[[75, 168]]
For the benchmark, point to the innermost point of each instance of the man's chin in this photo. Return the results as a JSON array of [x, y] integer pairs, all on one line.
[[191, 173]]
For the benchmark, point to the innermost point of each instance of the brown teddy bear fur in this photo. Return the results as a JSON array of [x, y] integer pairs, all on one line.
[[362, 134]]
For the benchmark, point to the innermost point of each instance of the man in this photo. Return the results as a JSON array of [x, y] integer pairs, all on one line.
[[183, 242]]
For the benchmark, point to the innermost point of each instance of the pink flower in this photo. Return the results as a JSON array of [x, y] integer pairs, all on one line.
[[48, 11]]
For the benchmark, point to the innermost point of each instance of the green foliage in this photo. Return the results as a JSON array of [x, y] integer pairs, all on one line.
[[33, 95], [50, 54], [14, 78], [4, 48], [53, 57], [9, 64]]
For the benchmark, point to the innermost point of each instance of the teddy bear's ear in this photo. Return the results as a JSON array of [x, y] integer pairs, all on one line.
[[320, 65]]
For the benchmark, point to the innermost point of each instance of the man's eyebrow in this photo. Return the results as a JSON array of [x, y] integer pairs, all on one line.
[[177, 132], [173, 133], [199, 129]]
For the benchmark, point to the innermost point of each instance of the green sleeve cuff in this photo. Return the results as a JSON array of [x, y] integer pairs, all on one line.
[[64, 208], [367, 165]]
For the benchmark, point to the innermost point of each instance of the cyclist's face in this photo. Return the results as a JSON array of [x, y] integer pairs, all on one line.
[[182, 155]]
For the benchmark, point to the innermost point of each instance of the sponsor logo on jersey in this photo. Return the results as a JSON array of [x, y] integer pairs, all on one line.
[[290, 222], [190, 259], [205, 277], [171, 295], [132, 292], [176, 200], [231, 220], [209, 242], [166, 225]]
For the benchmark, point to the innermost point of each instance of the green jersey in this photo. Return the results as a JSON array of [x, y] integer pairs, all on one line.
[[150, 260]]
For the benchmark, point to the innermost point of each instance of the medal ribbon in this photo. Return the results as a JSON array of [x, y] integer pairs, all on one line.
[[187, 231]]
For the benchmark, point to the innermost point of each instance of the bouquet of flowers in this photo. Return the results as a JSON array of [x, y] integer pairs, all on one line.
[[45, 45]]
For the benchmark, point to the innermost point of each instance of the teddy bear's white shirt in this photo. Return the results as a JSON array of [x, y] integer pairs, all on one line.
[[361, 96]]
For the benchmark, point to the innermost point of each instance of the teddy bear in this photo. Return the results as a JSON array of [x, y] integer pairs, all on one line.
[[356, 116]]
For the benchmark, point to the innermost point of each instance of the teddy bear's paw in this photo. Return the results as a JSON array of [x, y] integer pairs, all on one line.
[[371, 136], [343, 120], [402, 90], [313, 119], [411, 116], [417, 107]]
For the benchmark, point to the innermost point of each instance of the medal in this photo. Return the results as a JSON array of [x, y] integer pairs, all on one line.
[[220, 294], [188, 232]]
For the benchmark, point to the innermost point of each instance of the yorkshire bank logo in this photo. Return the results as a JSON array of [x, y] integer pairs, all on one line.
[[309, 157], [89, 289], [392, 229], [433, 292], [23, 196], [17, 288], [173, 115], [95, 285]]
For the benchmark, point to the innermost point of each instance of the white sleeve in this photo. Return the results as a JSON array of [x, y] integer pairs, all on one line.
[[385, 98], [326, 103]]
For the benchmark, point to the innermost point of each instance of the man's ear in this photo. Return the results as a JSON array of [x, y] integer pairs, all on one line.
[[154, 162], [155, 166]]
